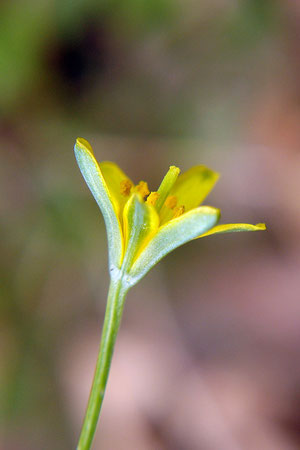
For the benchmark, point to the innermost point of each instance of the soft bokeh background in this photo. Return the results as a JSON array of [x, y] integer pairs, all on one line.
[[208, 353]]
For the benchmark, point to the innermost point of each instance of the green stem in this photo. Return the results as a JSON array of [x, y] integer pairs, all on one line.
[[113, 315]]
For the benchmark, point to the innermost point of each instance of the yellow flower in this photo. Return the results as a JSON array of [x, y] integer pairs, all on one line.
[[143, 226]]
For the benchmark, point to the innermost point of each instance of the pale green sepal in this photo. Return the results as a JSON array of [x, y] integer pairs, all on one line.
[[233, 227], [140, 222], [98, 187], [171, 235]]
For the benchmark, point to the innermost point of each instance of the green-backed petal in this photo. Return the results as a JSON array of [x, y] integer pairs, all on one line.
[[114, 176], [140, 222], [94, 179], [190, 189], [231, 227], [172, 235]]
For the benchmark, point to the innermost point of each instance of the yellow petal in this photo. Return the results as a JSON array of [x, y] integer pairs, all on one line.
[[231, 227], [171, 235], [95, 180], [114, 176], [140, 221], [190, 189]]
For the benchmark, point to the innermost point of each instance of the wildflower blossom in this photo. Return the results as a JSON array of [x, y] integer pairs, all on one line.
[[143, 226]]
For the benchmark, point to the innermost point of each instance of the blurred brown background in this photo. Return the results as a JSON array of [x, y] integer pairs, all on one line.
[[208, 353]]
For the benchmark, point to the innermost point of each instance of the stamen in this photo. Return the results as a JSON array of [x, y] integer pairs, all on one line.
[[178, 211], [166, 186], [143, 189], [152, 198], [171, 201], [125, 187]]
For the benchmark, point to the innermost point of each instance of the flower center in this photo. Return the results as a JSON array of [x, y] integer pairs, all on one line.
[[154, 197]]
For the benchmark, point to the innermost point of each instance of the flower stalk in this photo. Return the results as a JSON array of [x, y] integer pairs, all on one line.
[[113, 314]]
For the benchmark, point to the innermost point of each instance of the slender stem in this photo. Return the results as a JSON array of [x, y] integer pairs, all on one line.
[[113, 315]]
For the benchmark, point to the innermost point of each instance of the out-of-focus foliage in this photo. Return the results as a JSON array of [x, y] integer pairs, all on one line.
[[29, 28], [252, 21]]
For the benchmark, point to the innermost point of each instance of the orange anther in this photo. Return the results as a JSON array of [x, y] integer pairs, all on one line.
[[152, 198], [178, 211], [125, 187], [171, 201], [143, 189]]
